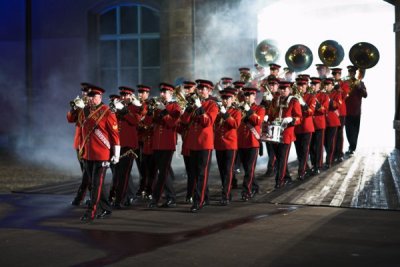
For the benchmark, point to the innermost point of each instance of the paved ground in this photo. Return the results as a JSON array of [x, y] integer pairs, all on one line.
[[39, 228]]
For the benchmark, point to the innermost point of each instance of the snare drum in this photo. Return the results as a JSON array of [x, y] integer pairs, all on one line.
[[273, 134]]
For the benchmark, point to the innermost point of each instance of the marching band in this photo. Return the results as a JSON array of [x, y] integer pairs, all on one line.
[[227, 117]]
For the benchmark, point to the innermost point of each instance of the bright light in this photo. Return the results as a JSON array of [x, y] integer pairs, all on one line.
[[310, 22]]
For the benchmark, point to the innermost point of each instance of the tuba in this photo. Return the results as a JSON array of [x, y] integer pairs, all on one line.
[[331, 53], [364, 55], [266, 52], [298, 57]]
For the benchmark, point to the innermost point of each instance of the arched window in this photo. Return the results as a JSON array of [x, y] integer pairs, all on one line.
[[129, 39]]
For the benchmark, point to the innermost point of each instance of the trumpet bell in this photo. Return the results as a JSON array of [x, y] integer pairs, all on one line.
[[364, 55], [298, 57], [331, 53], [266, 52]]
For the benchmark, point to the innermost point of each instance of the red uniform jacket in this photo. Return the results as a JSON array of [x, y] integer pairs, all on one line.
[[321, 109], [182, 129], [164, 126], [73, 117], [201, 133], [290, 108], [127, 126], [99, 132], [353, 102], [225, 129], [307, 121], [332, 117], [251, 119], [344, 90]]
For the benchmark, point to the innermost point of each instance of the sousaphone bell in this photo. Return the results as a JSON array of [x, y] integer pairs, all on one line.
[[364, 55], [331, 53], [299, 57], [266, 52]]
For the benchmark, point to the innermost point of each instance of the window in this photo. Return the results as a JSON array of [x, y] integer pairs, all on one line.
[[129, 46]]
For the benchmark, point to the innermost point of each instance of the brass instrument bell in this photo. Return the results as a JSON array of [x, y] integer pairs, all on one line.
[[331, 53], [364, 55], [266, 52], [298, 57]]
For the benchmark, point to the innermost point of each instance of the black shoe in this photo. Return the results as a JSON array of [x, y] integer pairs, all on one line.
[[169, 204], [350, 152], [326, 166], [300, 178], [75, 202], [206, 202], [152, 205], [104, 214], [253, 193], [195, 208], [339, 159], [86, 218], [129, 201], [189, 200], [288, 181], [245, 197], [316, 171]]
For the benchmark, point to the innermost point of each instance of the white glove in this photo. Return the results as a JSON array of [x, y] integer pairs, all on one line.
[[246, 107], [267, 96], [115, 157], [301, 101], [118, 105], [136, 102], [197, 103], [222, 110], [160, 106], [266, 118], [286, 121], [79, 102]]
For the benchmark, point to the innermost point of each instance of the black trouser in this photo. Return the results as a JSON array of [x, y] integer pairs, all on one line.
[[248, 156], [317, 148], [271, 155], [302, 145], [225, 161], [163, 160], [190, 180], [352, 130], [200, 161], [97, 171], [123, 173], [339, 138], [139, 165], [330, 138], [149, 174], [282, 155], [85, 183], [114, 183]]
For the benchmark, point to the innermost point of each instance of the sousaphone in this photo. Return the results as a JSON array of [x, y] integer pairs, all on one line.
[[364, 55], [266, 52]]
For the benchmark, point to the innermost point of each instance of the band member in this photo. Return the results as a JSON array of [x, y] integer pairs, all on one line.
[[249, 140], [344, 89], [225, 140], [288, 74], [77, 106], [332, 120], [145, 155], [189, 89], [305, 129], [357, 92], [319, 119], [164, 120], [128, 116], [323, 71], [113, 101], [100, 145], [287, 111], [200, 139], [223, 83], [271, 96], [274, 70]]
